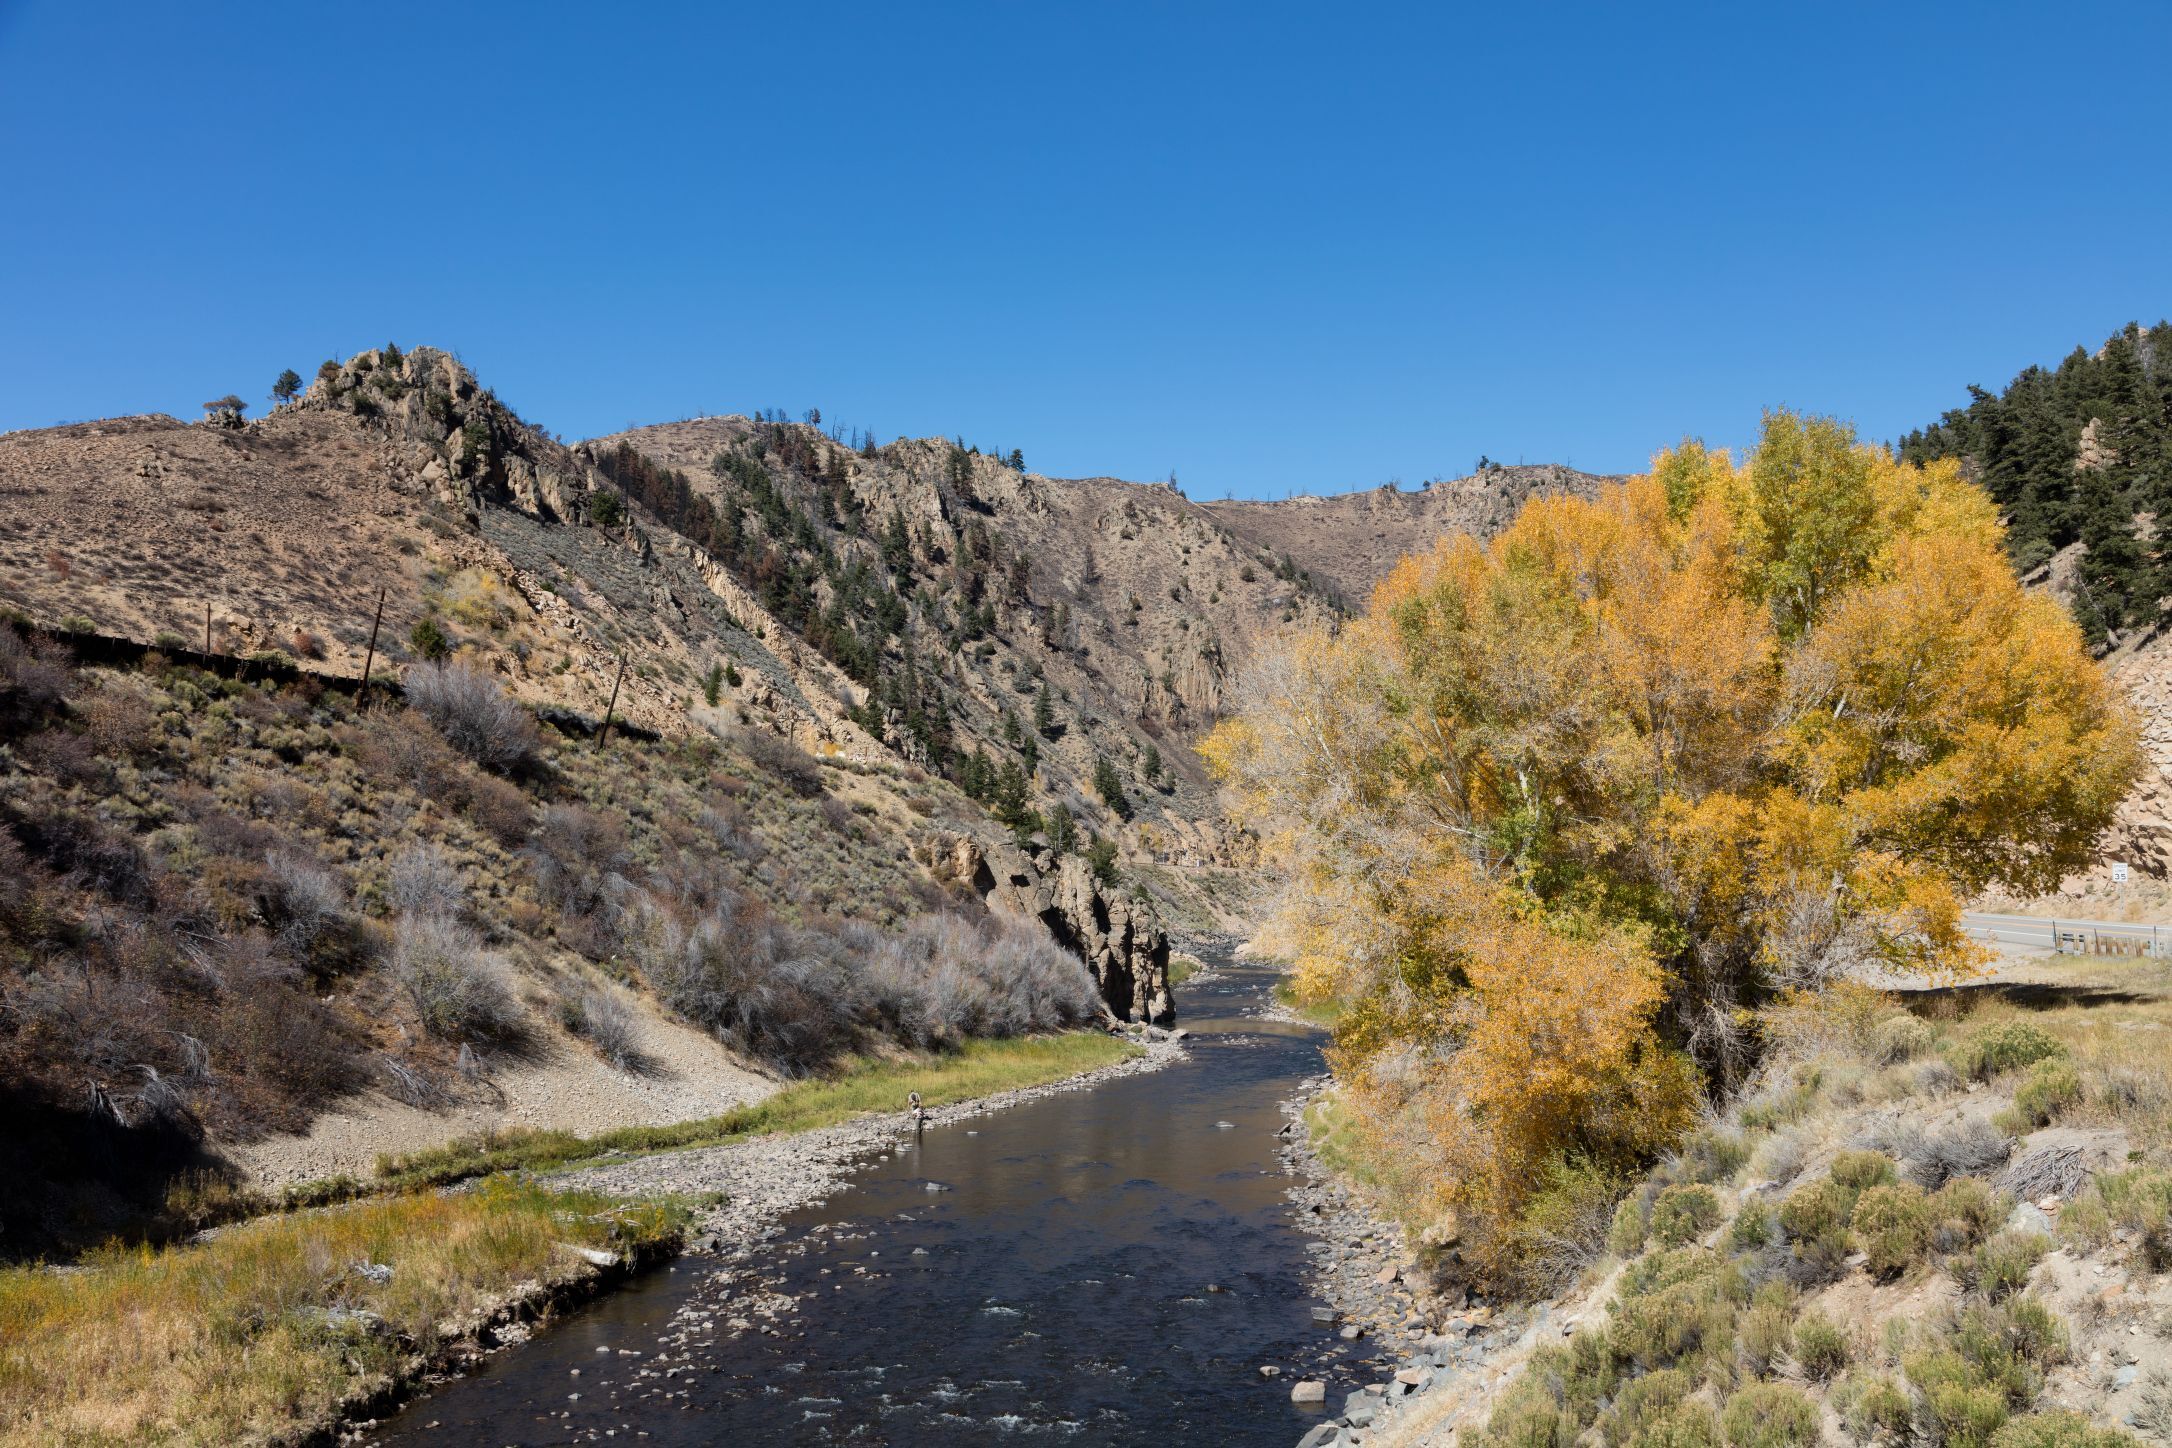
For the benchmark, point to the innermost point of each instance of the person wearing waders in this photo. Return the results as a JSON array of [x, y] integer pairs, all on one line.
[[913, 1099]]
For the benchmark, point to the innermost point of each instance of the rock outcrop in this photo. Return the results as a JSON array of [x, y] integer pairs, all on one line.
[[1120, 938]]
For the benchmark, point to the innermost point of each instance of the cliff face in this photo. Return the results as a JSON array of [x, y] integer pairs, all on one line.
[[1120, 938]]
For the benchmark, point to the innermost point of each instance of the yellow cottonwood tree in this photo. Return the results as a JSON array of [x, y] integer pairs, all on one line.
[[1558, 810]]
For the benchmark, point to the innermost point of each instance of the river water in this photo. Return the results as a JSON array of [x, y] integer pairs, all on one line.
[[1103, 1266]]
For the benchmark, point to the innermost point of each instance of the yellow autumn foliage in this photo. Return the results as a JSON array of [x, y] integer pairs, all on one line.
[[1561, 810]]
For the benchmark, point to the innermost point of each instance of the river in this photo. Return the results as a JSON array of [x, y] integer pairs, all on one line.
[[1104, 1266]]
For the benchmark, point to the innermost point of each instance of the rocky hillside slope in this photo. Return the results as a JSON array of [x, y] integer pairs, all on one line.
[[1348, 541], [917, 603], [1058, 623]]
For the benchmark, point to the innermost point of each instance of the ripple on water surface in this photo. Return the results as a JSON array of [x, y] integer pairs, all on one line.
[[1107, 1266]]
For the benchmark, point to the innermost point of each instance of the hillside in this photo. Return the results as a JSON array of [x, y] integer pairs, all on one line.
[[979, 610], [1349, 540], [2079, 453], [2079, 458]]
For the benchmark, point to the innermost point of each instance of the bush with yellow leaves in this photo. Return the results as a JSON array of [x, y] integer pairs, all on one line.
[[1563, 812]]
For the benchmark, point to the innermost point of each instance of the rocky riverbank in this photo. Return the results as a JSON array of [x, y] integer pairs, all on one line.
[[755, 1183], [746, 1187], [1363, 1268]]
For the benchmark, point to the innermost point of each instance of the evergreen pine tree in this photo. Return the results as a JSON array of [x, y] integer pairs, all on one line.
[[1061, 829], [1110, 788]]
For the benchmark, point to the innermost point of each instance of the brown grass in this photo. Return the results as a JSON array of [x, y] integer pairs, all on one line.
[[258, 1332]]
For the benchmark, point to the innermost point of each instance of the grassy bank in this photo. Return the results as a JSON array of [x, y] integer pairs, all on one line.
[[1324, 1014], [272, 1325], [979, 1068]]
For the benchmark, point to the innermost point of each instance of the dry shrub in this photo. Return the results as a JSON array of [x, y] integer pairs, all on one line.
[[292, 1054], [306, 908], [118, 723], [89, 854], [498, 808], [69, 757], [473, 714], [423, 881], [941, 979], [601, 1016], [726, 823], [838, 816], [795, 998], [168, 1020], [783, 760], [772, 994], [1839, 1019], [579, 857], [1969, 1149], [453, 983], [35, 677], [401, 750], [14, 882]]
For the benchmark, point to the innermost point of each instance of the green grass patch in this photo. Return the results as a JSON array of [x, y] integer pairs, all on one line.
[[979, 1068], [1338, 1141], [1325, 1014], [267, 1327]]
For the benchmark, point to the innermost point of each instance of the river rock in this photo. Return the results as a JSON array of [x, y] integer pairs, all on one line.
[[1311, 1390]]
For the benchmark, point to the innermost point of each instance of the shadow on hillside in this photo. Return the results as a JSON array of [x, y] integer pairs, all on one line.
[[71, 1180]]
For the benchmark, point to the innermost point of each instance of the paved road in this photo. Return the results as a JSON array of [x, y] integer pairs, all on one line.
[[2071, 937]]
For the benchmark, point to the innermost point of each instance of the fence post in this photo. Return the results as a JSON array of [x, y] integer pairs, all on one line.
[[371, 657], [603, 735]]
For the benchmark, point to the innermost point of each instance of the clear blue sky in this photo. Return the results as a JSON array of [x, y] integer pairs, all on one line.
[[1266, 246]]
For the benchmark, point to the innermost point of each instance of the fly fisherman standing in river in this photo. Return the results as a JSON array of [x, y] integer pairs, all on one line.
[[912, 1099]]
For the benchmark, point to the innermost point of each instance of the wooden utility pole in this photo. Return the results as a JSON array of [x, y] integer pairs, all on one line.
[[371, 657], [207, 633], [603, 735]]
